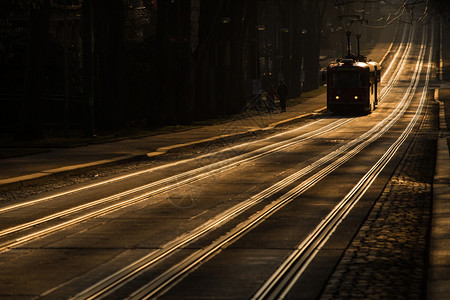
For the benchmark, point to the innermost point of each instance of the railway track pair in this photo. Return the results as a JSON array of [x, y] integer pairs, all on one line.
[[165, 184], [280, 283]]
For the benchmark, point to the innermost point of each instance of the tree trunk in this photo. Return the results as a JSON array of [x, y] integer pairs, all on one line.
[[109, 43], [30, 122], [252, 54], [296, 51], [175, 60], [233, 56], [207, 91], [88, 86], [312, 65]]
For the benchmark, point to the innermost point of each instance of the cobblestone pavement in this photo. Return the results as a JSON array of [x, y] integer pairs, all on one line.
[[387, 258]]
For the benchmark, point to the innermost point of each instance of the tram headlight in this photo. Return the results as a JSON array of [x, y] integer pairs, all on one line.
[[356, 97]]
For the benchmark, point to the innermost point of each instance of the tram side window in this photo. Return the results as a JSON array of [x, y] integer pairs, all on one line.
[[347, 79]]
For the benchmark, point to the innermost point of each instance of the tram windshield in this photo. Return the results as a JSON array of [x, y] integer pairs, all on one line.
[[347, 79]]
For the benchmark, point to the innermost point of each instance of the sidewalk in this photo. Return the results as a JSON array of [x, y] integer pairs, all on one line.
[[57, 160], [439, 256]]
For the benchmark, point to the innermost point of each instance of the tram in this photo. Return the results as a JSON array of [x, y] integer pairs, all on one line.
[[353, 85]]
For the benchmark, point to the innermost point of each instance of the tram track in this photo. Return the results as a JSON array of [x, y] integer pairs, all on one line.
[[6, 209], [167, 279], [188, 178], [399, 66], [278, 286], [139, 173], [164, 185], [165, 166], [282, 281]]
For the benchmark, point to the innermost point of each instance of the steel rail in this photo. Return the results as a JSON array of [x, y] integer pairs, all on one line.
[[107, 199], [128, 273], [282, 281], [385, 91], [72, 191], [224, 165], [16, 242], [118, 279], [402, 43], [150, 170], [166, 280]]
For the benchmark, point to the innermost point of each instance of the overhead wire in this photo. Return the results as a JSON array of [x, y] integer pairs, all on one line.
[[388, 23], [397, 15], [389, 19]]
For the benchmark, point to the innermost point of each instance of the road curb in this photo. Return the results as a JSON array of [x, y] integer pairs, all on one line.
[[38, 175]]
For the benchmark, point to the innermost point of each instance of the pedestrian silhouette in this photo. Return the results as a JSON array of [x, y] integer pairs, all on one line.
[[282, 92]]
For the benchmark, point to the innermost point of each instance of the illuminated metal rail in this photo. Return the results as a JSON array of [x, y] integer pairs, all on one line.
[[282, 281], [156, 188], [167, 279], [159, 168], [184, 179]]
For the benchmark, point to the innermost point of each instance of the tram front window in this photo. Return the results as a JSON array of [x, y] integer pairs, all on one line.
[[347, 79]]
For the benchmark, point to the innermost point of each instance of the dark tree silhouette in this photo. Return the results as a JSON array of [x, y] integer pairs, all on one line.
[[108, 35], [313, 13], [173, 38], [219, 85], [88, 67], [30, 121]]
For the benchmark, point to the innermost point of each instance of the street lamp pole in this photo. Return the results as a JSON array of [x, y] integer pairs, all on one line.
[[257, 85], [302, 64], [258, 65], [281, 73], [225, 61]]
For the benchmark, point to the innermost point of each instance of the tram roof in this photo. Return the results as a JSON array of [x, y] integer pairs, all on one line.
[[371, 65]]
